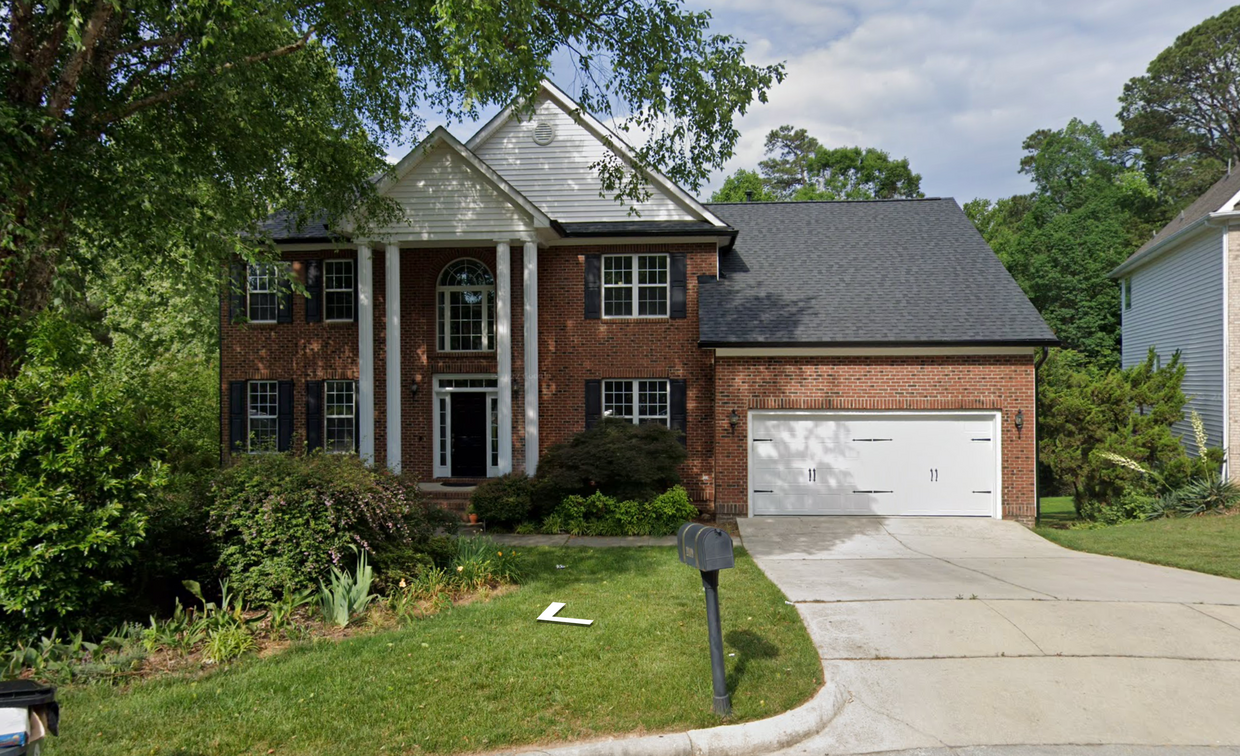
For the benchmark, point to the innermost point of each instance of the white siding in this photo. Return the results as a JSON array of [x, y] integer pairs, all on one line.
[[557, 177], [445, 198], [1177, 304]]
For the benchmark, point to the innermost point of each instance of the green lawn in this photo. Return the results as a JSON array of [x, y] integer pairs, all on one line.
[[1056, 510], [482, 676], [1205, 544]]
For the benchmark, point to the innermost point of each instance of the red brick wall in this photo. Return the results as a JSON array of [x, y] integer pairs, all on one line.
[[995, 382], [297, 351], [573, 350]]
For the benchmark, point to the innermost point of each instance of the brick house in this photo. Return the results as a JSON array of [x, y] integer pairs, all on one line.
[[819, 358]]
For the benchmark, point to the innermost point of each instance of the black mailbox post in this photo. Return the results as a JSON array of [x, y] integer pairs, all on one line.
[[709, 550]]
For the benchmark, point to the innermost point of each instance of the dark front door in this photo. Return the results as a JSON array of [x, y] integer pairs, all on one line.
[[469, 435]]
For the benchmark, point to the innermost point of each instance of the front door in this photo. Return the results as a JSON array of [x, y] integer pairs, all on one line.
[[469, 435]]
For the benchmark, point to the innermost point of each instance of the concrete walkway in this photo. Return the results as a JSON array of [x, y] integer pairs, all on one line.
[[951, 633]]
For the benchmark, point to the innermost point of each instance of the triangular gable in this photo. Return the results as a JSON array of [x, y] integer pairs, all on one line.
[[557, 175], [447, 192]]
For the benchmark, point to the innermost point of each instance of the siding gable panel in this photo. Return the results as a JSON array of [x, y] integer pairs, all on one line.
[[557, 177], [1177, 304], [444, 198]]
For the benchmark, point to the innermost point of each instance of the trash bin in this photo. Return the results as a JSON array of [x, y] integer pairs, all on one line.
[[28, 713]]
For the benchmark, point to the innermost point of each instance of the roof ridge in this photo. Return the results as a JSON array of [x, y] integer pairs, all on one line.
[[834, 202]]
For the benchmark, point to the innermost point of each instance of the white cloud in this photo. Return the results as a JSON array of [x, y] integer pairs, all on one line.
[[954, 85]]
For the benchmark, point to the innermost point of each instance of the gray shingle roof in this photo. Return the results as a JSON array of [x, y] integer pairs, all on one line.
[[888, 272], [283, 226]]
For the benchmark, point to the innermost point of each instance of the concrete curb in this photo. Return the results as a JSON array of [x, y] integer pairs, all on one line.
[[747, 739]]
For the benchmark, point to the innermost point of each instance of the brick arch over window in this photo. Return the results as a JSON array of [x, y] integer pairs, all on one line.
[[465, 306]]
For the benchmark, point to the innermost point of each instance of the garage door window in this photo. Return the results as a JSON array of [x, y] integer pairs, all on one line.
[[637, 401]]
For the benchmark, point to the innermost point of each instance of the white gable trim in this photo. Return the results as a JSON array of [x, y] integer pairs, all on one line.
[[604, 134], [441, 136]]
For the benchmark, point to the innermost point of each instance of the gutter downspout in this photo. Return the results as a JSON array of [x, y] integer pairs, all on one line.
[[1037, 438]]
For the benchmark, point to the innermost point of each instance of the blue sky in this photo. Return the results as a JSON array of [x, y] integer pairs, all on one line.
[[954, 85]]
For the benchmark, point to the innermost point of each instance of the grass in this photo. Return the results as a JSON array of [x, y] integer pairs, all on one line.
[[1056, 511], [1209, 543], [482, 676]]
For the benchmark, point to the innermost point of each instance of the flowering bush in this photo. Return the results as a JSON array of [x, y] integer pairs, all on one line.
[[282, 522]]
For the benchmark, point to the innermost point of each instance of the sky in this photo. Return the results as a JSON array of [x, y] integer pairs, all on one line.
[[953, 85]]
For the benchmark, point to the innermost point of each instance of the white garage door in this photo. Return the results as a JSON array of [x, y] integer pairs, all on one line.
[[873, 463]]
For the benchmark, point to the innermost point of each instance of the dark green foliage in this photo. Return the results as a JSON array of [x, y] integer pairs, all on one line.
[[1207, 494], [602, 515], [282, 521], [503, 501], [1181, 115], [616, 457], [1085, 412], [799, 168]]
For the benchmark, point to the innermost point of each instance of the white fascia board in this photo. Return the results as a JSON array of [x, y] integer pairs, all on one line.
[[927, 351], [571, 241], [604, 134], [441, 136]]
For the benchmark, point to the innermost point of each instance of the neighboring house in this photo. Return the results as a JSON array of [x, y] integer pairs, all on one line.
[[1174, 298], [819, 358]]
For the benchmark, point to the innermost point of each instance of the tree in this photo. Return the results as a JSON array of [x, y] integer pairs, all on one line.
[[1183, 115], [800, 168], [129, 128], [744, 186]]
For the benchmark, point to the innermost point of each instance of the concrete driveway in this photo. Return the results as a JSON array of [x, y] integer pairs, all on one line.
[[968, 632]]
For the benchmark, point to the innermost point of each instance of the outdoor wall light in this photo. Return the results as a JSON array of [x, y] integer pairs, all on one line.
[[413, 388], [1020, 420], [734, 419]]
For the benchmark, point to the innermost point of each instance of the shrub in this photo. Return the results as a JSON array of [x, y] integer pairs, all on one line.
[[77, 469], [504, 501], [602, 515], [618, 458], [281, 522], [347, 595]]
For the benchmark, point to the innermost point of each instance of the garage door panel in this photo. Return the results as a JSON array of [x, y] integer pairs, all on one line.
[[858, 464]]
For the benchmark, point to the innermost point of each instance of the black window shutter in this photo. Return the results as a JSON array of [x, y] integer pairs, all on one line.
[[236, 416], [284, 300], [357, 268], [284, 415], [236, 293], [679, 278], [314, 284], [314, 415], [594, 288], [679, 408], [594, 403]]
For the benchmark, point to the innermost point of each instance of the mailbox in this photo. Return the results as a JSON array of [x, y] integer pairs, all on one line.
[[704, 548]]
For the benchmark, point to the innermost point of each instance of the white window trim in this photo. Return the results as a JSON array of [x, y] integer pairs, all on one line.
[[349, 291], [636, 287], [274, 291], [249, 415], [440, 391], [326, 416], [637, 416], [442, 310]]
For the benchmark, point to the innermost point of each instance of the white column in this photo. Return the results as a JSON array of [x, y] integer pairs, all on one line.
[[531, 357], [392, 342], [365, 356], [503, 351]]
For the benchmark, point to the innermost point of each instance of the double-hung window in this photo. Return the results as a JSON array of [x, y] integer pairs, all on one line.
[[263, 416], [262, 292], [638, 401], [340, 416], [338, 289], [635, 286], [466, 304]]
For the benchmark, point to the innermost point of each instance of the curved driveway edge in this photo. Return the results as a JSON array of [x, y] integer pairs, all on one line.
[[745, 739]]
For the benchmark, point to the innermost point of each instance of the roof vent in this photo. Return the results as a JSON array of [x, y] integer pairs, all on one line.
[[543, 133]]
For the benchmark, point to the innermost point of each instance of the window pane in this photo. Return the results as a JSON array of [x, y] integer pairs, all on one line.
[[652, 401], [262, 307], [340, 305], [465, 320], [651, 300], [652, 269], [263, 409], [494, 431], [338, 275], [618, 399], [618, 302], [617, 271], [443, 432]]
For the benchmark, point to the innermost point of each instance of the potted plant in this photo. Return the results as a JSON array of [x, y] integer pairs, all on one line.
[[472, 515]]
